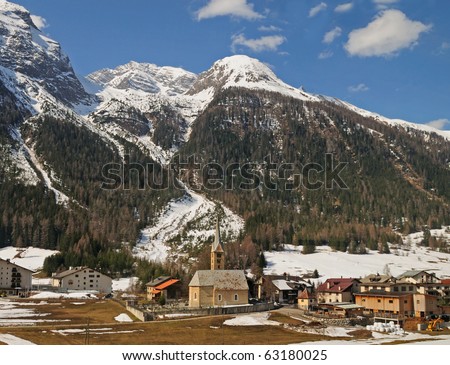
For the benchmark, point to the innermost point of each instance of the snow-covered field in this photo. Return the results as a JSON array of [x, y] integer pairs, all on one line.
[[31, 258], [51, 295], [13, 340], [124, 284], [193, 209], [335, 264]]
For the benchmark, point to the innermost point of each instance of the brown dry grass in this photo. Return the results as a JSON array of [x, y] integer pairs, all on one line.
[[191, 331], [200, 331], [279, 317]]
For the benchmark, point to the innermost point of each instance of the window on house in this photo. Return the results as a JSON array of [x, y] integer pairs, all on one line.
[[379, 300], [195, 295], [76, 275], [418, 301], [405, 301], [391, 301], [70, 282], [403, 288], [220, 297], [364, 300], [236, 297], [410, 288]]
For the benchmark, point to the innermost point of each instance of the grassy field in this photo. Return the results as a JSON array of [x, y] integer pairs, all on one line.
[[71, 327]]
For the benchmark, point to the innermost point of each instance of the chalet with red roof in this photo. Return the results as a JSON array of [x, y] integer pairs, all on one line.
[[165, 286], [337, 290], [307, 300]]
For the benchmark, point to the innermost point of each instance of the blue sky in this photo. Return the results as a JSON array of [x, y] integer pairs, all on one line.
[[387, 56]]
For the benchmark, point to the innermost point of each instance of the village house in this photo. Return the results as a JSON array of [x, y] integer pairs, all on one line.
[[411, 294], [337, 290], [218, 287], [307, 300], [14, 278], [165, 286], [280, 288], [82, 278]]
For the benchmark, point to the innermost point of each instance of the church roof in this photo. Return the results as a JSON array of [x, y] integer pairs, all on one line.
[[220, 279]]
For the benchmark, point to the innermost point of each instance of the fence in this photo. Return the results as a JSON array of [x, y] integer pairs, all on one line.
[[145, 315]]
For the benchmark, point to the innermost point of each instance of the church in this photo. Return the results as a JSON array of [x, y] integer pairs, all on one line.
[[218, 287]]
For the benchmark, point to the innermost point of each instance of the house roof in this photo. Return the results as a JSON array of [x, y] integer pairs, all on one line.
[[220, 279], [376, 279], [338, 285], [12, 263], [412, 274], [281, 284], [445, 281], [159, 280], [306, 295], [65, 273], [166, 284]]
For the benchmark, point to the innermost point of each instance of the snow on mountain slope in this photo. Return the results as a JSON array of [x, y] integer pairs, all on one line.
[[169, 81], [38, 67], [335, 264], [246, 72], [392, 122], [192, 210]]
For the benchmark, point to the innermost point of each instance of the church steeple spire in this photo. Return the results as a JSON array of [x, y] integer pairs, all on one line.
[[217, 252]]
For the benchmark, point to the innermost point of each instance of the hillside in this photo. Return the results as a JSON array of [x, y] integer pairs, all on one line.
[[136, 161]]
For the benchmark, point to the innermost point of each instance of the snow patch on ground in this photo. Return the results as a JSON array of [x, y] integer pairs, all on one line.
[[254, 319], [124, 284], [31, 258], [14, 340], [51, 295], [123, 317]]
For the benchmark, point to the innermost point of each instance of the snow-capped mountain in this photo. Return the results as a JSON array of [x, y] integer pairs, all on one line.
[[32, 65], [246, 72], [146, 77]]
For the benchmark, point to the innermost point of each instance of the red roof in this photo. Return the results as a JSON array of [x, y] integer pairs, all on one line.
[[336, 285], [306, 295], [166, 284], [445, 281]]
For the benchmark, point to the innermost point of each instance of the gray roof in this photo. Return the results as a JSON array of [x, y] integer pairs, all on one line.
[[410, 274], [158, 280], [220, 279], [376, 279], [217, 244], [65, 273]]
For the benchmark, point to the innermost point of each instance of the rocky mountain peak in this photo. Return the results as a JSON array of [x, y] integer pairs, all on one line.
[[28, 54]]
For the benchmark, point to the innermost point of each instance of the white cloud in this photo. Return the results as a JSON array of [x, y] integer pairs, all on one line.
[[235, 8], [343, 8], [266, 43], [445, 45], [270, 28], [388, 33], [325, 54], [358, 88], [39, 22], [330, 36], [439, 123], [317, 9]]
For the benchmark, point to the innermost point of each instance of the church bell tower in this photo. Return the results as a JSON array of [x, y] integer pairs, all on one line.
[[217, 253]]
